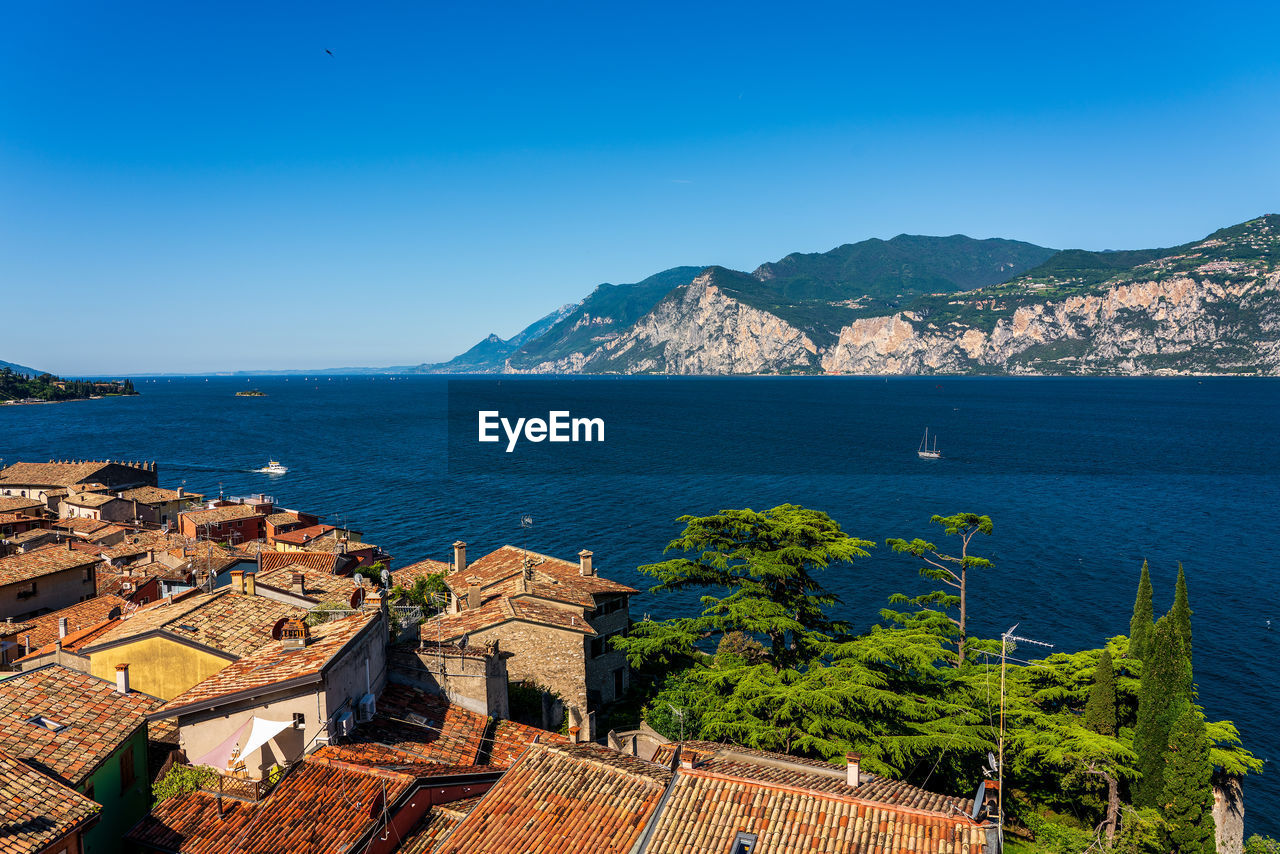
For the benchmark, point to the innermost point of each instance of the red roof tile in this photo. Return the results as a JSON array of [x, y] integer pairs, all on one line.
[[228, 622], [40, 562], [713, 808], [563, 800], [501, 571], [83, 615], [218, 515], [36, 810], [95, 719], [449, 627], [273, 663]]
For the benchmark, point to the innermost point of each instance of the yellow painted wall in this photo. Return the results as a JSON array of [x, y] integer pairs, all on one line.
[[157, 666]]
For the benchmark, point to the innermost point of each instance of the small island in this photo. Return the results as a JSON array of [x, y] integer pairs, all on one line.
[[18, 387], [253, 392]]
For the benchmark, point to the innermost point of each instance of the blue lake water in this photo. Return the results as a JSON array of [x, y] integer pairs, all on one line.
[[1083, 477]]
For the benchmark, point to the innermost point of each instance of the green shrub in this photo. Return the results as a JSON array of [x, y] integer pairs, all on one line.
[[181, 779]]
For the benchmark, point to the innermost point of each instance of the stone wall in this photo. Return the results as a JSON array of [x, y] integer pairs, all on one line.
[[472, 679]]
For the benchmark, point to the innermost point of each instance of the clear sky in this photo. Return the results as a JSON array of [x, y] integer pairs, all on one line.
[[201, 186]]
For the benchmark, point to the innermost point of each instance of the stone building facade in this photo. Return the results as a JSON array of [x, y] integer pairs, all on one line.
[[551, 618]]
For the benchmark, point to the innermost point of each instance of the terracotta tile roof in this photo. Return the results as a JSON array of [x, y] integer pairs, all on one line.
[[323, 806], [433, 827], [315, 561], [33, 534], [50, 473], [301, 536], [36, 810], [425, 726], [218, 515], [14, 503], [332, 542], [71, 643], [406, 575], [89, 499], [432, 729], [228, 622], [272, 663], [158, 495], [282, 518], [713, 808], [318, 586], [109, 532], [392, 759], [812, 774], [81, 526], [510, 740], [42, 561], [137, 543], [82, 615], [500, 572], [449, 627], [563, 800], [96, 720]]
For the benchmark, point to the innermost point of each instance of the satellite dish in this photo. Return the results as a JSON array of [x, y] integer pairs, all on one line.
[[357, 597], [277, 631]]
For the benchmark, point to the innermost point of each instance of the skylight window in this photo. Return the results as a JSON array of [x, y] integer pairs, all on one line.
[[47, 723], [744, 843]]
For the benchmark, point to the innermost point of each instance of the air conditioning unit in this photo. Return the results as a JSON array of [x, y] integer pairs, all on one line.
[[367, 708], [344, 723]]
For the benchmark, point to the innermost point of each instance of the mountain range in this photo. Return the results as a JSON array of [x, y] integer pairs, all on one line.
[[922, 305]]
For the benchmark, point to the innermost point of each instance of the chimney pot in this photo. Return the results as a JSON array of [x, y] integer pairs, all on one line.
[[585, 566], [459, 556], [62, 627], [122, 678], [854, 769], [251, 584], [237, 580], [299, 582]]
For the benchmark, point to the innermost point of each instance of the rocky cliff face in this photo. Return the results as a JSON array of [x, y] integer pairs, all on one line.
[[1185, 324], [698, 329]]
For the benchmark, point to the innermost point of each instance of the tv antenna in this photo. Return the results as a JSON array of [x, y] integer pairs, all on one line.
[[526, 522], [1008, 643]]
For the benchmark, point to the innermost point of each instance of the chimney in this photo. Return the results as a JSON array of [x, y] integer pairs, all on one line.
[[68, 541], [585, 567], [62, 627], [182, 492], [299, 584], [473, 596], [295, 634], [237, 580], [573, 733], [459, 556], [854, 769], [122, 678], [251, 584]]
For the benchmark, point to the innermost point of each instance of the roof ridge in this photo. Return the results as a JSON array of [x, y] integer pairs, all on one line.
[[962, 817], [569, 752]]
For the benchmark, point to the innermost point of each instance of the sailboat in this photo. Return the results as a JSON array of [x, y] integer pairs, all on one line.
[[924, 453]]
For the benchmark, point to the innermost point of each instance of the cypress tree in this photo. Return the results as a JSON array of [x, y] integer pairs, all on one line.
[[1140, 627], [1100, 710], [1163, 695], [1187, 801], [1181, 611]]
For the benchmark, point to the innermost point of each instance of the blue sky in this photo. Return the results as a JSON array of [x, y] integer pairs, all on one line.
[[200, 186]]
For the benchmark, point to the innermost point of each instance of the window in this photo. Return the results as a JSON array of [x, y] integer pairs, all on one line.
[[299, 720], [46, 723], [127, 775], [28, 591], [744, 843], [86, 575]]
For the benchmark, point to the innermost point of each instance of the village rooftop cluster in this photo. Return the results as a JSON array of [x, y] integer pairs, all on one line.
[[148, 632]]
